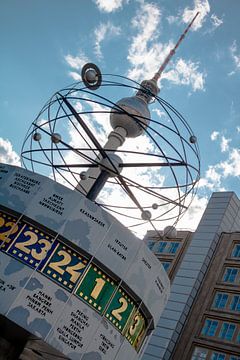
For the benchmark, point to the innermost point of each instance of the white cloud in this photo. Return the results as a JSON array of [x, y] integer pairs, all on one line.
[[216, 22], [145, 62], [103, 30], [212, 179], [75, 75], [159, 112], [146, 53], [224, 144], [235, 56], [216, 177], [43, 123], [212, 174], [193, 215], [172, 19], [186, 73], [143, 58], [238, 129], [7, 154], [109, 5], [76, 62], [214, 135], [188, 14], [231, 167]]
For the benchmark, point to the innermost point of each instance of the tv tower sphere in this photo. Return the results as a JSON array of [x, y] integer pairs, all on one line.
[[131, 106]]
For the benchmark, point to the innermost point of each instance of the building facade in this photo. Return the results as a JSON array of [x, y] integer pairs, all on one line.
[[169, 250], [201, 320]]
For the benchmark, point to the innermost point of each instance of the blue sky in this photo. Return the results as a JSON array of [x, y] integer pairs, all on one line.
[[45, 43]]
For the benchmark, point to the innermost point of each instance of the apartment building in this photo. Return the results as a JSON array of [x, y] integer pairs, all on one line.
[[202, 318]]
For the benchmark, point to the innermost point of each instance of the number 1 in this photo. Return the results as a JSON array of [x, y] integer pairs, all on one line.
[[97, 288]]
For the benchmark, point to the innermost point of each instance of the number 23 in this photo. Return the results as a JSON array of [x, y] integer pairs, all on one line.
[[33, 239]]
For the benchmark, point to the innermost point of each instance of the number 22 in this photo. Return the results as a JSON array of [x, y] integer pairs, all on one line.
[[13, 229]]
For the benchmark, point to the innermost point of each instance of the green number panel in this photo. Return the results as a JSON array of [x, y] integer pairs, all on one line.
[[65, 266], [136, 330], [120, 310], [96, 288]]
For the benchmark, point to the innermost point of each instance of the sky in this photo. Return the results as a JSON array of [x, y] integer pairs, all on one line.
[[44, 45]]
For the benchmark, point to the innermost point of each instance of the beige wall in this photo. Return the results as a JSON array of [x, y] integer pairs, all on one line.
[[191, 335]]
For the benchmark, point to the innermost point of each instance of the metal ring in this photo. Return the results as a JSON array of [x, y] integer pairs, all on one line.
[[98, 83]]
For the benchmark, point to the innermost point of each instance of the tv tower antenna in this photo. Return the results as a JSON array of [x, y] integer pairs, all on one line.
[[172, 51], [173, 145], [151, 85]]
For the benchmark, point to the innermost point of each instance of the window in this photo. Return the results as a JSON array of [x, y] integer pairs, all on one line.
[[160, 247], [236, 251], [166, 265], [232, 357], [210, 327], [230, 275], [199, 354], [235, 303], [150, 244], [227, 331], [220, 300], [238, 338], [167, 247], [173, 247], [218, 356]]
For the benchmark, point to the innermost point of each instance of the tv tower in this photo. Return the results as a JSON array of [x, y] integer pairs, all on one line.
[[130, 122]]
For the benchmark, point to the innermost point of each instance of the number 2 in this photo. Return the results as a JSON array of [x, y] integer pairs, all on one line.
[[116, 313]]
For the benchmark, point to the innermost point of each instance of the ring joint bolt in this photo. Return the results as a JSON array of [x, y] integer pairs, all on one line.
[[37, 136], [146, 215], [193, 139], [112, 165], [56, 138], [83, 175]]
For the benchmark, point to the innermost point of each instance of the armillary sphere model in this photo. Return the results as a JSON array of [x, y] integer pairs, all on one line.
[[137, 157]]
